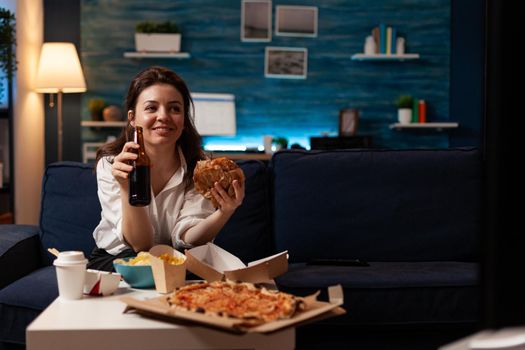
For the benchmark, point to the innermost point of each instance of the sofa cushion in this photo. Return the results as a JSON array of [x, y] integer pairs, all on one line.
[[394, 292], [23, 300], [70, 209], [248, 232], [378, 205], [20, 248]]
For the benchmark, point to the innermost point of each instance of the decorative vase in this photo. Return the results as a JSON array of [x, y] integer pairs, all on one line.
[[400, 46], [370, 45], [112, 114], [161, 42], [404, 115]]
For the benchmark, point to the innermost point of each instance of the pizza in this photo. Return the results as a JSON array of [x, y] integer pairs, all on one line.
[[250, 303]]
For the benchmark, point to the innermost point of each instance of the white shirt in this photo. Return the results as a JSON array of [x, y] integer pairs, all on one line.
[[173, 211]]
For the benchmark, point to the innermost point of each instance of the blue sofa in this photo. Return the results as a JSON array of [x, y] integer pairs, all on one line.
[[413, 215]]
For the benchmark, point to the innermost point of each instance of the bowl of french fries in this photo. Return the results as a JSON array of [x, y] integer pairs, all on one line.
[[136, 271]]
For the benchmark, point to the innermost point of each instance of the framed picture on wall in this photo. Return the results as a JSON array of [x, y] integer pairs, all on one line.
[[286, 62], [296, 21], [348, 121], [256, 20]]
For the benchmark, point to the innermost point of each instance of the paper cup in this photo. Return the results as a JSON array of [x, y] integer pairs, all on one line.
[[71, 274]]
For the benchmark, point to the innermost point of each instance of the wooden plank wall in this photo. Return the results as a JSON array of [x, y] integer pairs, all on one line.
[[295, 109]]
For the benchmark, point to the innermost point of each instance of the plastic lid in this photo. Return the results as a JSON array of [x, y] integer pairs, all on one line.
[[70, 258]]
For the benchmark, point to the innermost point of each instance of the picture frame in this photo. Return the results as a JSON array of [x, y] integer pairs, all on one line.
[[298, 21], [348, 121], [256, 21], [286, 62]]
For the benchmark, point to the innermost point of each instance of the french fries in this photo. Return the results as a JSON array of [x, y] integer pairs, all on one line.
[[144, 258]]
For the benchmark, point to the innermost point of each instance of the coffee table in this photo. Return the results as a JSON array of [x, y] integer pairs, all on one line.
[[99, 323]]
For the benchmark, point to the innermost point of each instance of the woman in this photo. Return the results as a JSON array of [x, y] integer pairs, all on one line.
[[160, 102]]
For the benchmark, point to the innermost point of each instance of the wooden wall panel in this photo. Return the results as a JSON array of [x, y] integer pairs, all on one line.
[[296, 109]]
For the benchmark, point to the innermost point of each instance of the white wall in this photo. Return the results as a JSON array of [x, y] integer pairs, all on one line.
[[28, 125]]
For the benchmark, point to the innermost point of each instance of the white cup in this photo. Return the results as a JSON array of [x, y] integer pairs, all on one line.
[[71, 274]]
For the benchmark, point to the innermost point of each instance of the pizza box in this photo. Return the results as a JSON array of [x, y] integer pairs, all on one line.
[[213, 263], [315, 310], [167, 277]]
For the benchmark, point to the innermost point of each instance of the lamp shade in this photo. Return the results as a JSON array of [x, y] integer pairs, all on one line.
[[59, 69]]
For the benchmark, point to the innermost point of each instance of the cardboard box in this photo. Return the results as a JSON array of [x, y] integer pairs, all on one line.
[[101, 282], [167, 276], [214, 263], [159, 308]]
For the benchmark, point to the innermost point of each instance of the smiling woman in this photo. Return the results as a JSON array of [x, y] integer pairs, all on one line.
[[159, 102], [160, 111]]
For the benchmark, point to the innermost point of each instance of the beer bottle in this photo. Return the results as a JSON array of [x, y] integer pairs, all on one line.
[[139, 178]]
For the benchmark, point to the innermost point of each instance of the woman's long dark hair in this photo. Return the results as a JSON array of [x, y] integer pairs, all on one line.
[[189, 141]]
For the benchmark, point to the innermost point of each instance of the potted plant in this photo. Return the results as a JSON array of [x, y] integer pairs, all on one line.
[[7, 43], [95, 106], [157, 36], [280, 143], [404, 112]]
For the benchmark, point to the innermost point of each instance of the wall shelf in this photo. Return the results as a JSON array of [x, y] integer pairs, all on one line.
[[422, 126], [384, 57], [135, 54], [242, 155], [89, 123]]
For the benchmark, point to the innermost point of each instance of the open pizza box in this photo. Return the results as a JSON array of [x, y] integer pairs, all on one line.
[[213, 263], [314, 310]]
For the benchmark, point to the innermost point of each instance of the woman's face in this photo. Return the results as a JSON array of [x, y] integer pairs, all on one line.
[[160, 112]]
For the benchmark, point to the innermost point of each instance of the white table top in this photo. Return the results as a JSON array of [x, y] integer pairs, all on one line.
[[99, 323]]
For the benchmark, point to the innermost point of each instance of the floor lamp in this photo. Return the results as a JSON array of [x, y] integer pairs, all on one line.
[[59, 72]]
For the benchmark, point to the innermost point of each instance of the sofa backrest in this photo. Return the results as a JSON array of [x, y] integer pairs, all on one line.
[[70, 209], [378, 205], [248, 232]]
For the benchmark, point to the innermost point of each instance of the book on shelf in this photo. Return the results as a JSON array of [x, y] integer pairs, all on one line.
[[385, 38], [375, 34], [422, 111], [388, 50], [382, 38], [393, 40], [415, 111]]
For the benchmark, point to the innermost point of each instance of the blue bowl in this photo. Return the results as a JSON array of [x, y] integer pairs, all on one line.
[[137, 276]]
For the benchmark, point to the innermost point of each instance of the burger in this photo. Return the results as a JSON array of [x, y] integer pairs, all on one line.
[[222, 170]]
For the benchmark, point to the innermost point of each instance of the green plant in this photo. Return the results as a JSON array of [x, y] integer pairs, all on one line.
[[404, 101], [281, 141], [96, 105], [148, 27], [7, 43]]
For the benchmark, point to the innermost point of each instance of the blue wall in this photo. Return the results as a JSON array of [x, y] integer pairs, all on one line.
[[296, 109]]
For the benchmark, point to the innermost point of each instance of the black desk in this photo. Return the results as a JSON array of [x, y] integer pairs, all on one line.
[[341, 142]]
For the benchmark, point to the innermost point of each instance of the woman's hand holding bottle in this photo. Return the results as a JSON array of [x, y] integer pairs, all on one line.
[[122, 163]]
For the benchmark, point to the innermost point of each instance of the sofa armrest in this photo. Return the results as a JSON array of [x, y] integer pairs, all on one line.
[[19, 252]]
